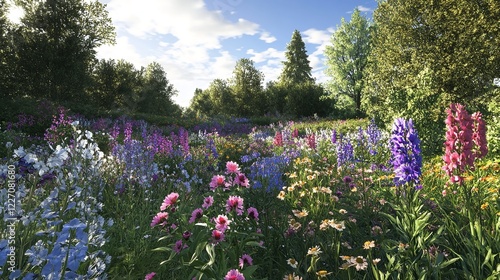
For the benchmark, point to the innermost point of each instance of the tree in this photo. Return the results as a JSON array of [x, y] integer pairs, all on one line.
[[200, 104], [6, 53], [347, 59], [57, 46], [246, 85], [296, 68], [432, 53], [155, 96], [221, 98]]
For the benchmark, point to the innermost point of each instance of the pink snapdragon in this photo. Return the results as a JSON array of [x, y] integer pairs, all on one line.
[[278, 139], [465, 141]]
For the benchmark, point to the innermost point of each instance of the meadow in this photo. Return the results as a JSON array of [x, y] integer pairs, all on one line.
[[318, 199]]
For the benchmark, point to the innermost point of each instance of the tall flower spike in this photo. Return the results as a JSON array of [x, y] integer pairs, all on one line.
[[406, 155]]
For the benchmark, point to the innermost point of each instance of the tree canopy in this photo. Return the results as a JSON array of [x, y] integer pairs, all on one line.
[[296, 68], [347, 58]]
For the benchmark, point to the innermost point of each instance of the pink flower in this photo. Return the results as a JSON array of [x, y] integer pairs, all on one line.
[[222, 222], [235, 203], [217, 181], [253, 213], [278, 139], [234, 274], [241, 180], [207, 202], [196, 215], [160, 218], [170, 200], [179, 246], [232, 167], [245, 260], [479, 135], [150, 276], [217, 236]]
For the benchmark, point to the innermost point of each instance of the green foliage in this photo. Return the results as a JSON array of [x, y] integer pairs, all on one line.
[[347, 59], [246, 85], [431, 54]]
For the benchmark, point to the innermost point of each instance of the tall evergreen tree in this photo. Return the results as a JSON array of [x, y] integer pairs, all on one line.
[[347, 59], [296, 68]]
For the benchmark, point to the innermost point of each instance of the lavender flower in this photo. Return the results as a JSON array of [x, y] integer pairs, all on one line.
[[406, 159]]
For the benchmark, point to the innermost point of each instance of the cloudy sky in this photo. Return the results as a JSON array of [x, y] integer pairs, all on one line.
[[198, 41]]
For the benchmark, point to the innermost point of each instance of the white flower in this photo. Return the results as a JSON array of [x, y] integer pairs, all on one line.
[[19, 152], [8, 145], [88, 134]]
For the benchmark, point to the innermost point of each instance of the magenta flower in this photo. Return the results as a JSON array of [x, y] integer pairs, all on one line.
[[179, 246], [217, 236], [160, 218], [253, 213], [150, 276], [207, 202], [235, 203], [217, 181], [242, 180], [169, 201], [186, 235], [196, 215], [245, 260], [479, 135], [234, 274], [232, 167], [222, 222]]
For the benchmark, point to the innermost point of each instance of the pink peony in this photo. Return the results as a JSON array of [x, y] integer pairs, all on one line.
[[232, 167], [245, 260], [253, 213], [207, 202], [235, 203], [217, 236], [222, 222], [217, 181], [160, 218], [242, 180], [196, 215]]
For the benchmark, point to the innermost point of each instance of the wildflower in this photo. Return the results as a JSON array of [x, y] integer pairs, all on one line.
[[292, 276], [178, 246], [325, 224], [207, 202], [484, 205], [217, 236], [234, 274], [359, 262], [406, 159], [235, 203], [278, 139], [323, 273], [376, 230], [217, 181], [292, 262], [186, 235], [343, 211], [170, 200], [347, 179], [338, 226], [196, 215], [368, 244], [245, 260], [253, 213], [150, 276], [376, 261], [281, 195], [242, 180], [160, 218], [314, 251], [232, 168], [300, 214], [222, 222]]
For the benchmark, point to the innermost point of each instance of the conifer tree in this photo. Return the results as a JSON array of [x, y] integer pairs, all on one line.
[[296, 68]]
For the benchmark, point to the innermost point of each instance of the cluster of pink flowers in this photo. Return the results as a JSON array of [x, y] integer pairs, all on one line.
[[465, 141], [278, 139], [235, 177], [311, 141]]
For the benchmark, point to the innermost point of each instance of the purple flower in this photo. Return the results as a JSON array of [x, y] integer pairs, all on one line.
[[196, 215], [406, 155]]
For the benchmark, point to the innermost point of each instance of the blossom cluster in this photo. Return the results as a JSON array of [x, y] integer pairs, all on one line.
[[406, 154]]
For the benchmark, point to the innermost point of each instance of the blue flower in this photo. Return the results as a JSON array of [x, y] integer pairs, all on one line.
[[406, 155]]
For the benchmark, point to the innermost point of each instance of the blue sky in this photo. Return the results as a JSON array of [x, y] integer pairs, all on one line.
[[197, 41]]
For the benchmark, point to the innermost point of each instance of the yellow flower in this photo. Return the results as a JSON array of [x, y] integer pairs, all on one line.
[[292, 262], [314, 251], [368, 245], [281, 195], [300, 214], [293, 175], [323, 273], [484, 205]]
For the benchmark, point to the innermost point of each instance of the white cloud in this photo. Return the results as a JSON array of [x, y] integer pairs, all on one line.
[[266, 37], [123, 49], [365, 9], [269, 55], [321, 38]]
